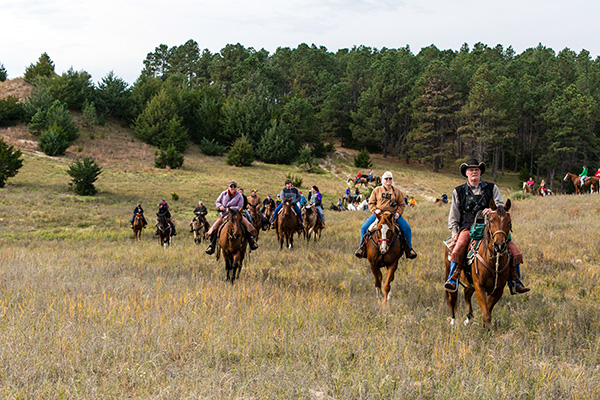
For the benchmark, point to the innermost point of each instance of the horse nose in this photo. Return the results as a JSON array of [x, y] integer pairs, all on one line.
[[236, 235]]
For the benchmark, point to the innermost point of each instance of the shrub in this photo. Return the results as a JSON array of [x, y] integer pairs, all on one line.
[[524, 174], [363, 159], [305, 159], [89, 116], [3, 74], [84, 173], [44, 68], [174, 196], [168, 157], [56, 115], [212, 147], [10, 111], [53, 141], [277, 145], [10, 162], [241, 153], [296, 180]]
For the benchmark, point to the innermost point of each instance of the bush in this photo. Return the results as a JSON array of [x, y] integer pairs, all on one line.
[[363, 159], [524, 174], [53, 141], [241, 153], [3, 74], [89, 116], [56, 115], [10, 111], [296, 180], [84, 173], [168, 157], [305, 159], [277, 145], [10, 162], [212, 147]]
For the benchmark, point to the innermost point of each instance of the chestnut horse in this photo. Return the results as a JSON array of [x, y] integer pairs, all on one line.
[[138, 225], [164, 231], [232, 240], [257, 219], [268, 214], [591, 181], [361, 181], [312, 223], [527, 189], [385, 246], [199, 227], [287, 223], [490, 269]]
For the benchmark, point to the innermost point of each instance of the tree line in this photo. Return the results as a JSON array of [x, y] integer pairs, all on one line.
[[535, 113]]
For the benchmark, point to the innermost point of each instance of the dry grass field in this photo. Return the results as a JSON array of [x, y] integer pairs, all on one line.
[[86, 312]]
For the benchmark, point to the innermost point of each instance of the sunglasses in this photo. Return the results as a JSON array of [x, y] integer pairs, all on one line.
[[388, 179], [233, 187]]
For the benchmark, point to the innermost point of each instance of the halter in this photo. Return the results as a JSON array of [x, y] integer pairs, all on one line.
[[492, 254], [384, 240]]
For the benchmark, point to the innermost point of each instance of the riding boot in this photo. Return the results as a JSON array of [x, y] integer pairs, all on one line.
[[451, 284], [361, 252], [411, 254], [213, 244], [173, 230], [514, 281], [252, 242], [156, 232]]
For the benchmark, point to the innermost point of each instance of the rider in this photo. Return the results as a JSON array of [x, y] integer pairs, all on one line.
[[199, 211], [316, 200], [386, 198], [467, 200], [245, 206], [163, 209], [255, 201], [229, 199], [138, 209], [287, 192], [597, 174], [583, 175], [543, 188], [340, 204], [358, 177], [531, 184], [302, 202], [266, 201], [444, 197], [278, 201], [370, 175], [347, 195]]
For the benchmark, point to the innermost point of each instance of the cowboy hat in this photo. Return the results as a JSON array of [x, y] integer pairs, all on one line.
[[472, 163]]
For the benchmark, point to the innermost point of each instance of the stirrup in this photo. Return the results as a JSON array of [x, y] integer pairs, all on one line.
[[448, 286]]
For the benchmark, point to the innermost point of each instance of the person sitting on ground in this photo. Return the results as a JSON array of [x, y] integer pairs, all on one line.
[[386, 198], [199, 211], [316, 200], [444, 198], [467, 200], [138, 209], [288, 192], [245, 206], [266, 201], [163, 209], [583, 175], [230, 199], [412, 202]]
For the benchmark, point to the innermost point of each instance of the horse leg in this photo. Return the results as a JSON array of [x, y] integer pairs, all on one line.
[[233, 269], [387, 288], [377, 274], [493, 299], [482, 300], [468, 295]]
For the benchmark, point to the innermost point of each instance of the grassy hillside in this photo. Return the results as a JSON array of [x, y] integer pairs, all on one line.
[[88, 313]]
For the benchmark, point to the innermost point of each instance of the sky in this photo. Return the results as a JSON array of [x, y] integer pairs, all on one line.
[[116, 35]]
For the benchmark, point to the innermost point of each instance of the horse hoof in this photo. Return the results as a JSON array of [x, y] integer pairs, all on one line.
[[467, 321], [452, 322]]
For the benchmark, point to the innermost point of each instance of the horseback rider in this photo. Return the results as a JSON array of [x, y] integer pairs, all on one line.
[[302, 202], [199, 211], [444, 198], [358, 177], [370, 175], [347, 195], [254, 201], [531, 184], [266, 201], [245, 206], [316, 200], [138, 209], [278, 201], [287, 192], [229, 199], [163, 209], [543, 188], [583, 175], [386, 197], [467, 200], [597, 174]]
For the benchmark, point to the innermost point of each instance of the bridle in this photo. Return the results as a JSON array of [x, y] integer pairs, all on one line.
[[382, 239], [493, 252]]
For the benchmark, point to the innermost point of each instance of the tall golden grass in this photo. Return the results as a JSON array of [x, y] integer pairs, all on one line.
[[86, 312]]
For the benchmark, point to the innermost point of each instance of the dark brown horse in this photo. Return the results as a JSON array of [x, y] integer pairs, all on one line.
[[258, 220], [590, 181], [385, 246], [287, 223], [312, 223], [490, 269], [165, 231], [268, 215], [199, 227], [137, 226], [232, 240]]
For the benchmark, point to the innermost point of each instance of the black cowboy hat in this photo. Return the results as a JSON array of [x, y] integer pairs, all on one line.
[[471, 163]]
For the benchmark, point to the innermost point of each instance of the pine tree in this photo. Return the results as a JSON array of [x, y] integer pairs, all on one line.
[[10, 162]]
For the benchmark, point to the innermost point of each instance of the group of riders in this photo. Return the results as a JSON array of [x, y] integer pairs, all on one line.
[[470, 201], [583, 176]]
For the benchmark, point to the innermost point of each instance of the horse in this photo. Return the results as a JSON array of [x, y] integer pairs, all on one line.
[[268, 214], [164, 230], [527, 189], [312, 223], [490, 270], [137, 226], [232, 240], [385, 246], [287, 223], [548, 192], [591, 181], [258, 219], [361, 181], [199, 227]]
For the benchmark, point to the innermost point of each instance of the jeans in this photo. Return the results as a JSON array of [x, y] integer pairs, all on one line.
[[404, 228], [143, 219], [278, 208], [248, 215]]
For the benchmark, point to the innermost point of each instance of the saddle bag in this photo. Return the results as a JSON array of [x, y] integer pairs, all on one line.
[[478, 228]]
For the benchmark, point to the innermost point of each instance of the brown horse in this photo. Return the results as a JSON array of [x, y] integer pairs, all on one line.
[[232, 240], [490, 269], [312, 223], [258, 220], [287, 223], [591, 181], [164, 231], [268, 214], [527, 189], [137, 226], [385, 246], [361, 181], [199, 227]]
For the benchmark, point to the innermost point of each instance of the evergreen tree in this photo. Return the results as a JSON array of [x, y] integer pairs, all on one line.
[[84, 173], [363, 159], [169, 157], [10, 162], [277, 145], [10, 111], [113, 97], [241, 153], [53, 141], [72, 88], [43, 68], [3, 74]]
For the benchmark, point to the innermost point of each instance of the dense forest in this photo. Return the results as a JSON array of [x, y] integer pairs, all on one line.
[[535, 113]]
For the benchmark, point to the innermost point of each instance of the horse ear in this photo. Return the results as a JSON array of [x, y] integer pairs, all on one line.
[[492, 204], [507, 205]]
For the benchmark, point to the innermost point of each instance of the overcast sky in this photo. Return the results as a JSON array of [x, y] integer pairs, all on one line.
[[100, 36]]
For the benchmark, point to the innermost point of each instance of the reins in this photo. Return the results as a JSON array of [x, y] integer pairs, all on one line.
[[491, 254]]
